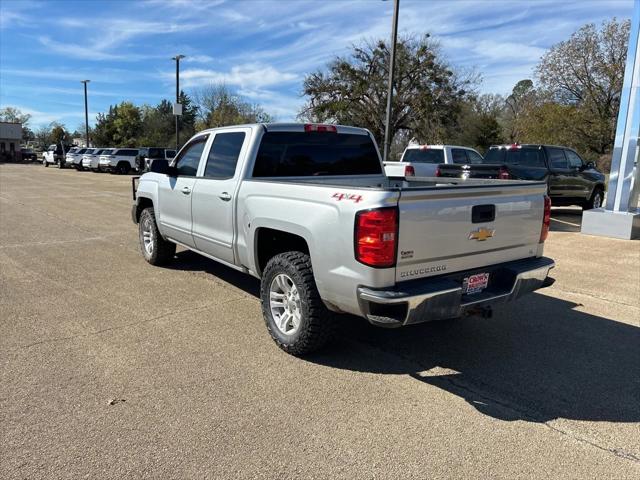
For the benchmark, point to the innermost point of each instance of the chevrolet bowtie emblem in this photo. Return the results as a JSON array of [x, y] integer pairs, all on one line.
[[481, 234]]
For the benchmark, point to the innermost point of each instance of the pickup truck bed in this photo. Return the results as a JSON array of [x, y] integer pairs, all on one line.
[[392, 251]]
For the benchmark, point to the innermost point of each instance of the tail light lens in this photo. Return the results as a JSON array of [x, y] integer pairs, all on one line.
[[376, 234], [438, 172], [409, 171], [546, 219], [504, 174]]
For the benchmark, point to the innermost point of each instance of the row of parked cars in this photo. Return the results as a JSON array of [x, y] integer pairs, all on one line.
[[114, 160], [570, 179]]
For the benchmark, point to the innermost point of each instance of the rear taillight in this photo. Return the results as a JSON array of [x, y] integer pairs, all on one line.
[[546, 219], [314, 127], [438, 172], [504, 174], [409, 171], [376, 236]]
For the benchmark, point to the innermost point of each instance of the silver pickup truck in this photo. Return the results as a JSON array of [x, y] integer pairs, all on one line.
[[308, 210]]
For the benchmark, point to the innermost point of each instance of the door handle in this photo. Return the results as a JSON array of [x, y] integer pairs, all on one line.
[[225, 196], [186, 190]]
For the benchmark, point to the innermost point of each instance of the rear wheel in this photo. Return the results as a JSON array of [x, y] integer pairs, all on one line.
[[597, 197], [294, 313], [155, 249], [123, 168]]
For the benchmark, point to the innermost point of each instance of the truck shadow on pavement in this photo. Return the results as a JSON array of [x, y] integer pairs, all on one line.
[[536, 360]]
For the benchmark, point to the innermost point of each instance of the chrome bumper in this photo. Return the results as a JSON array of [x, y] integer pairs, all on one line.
[[441, 297]]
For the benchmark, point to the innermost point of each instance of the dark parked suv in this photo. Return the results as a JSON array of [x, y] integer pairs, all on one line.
[[149, 154], [571, 180]]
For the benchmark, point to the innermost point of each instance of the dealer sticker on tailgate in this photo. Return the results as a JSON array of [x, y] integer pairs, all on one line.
[[475, 283]]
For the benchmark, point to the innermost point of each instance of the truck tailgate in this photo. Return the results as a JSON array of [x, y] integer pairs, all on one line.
[[453, 228]]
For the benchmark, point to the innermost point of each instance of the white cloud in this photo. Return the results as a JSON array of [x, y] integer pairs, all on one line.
[[198, 59], [246, 76]]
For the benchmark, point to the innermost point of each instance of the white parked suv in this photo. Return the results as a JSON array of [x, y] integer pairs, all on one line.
[[119, 160], [423, 160], [90, 159], [74, 157]]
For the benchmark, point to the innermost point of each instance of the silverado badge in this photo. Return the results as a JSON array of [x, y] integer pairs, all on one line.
[[481, 234]]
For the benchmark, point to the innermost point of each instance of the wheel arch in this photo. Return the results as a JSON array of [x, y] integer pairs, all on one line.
[[141, 204], [269, 242]]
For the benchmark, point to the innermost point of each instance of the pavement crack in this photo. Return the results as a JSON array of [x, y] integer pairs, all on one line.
[[128, 325]]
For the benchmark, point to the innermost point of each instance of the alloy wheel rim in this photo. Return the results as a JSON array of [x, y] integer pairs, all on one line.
[[285, 303], [147, 236], [597, 200]]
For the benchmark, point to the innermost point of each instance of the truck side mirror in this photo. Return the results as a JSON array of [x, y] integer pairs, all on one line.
[[590, 165], [172, 171]]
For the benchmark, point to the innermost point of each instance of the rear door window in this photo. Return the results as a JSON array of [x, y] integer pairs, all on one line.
[[223, 156], [557, 159], [423, 155], [303, 154], [458, 155]]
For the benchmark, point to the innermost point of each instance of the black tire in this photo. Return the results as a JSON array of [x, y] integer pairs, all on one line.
[[123, 168], [163, 251], [316, 323], [596, 200]]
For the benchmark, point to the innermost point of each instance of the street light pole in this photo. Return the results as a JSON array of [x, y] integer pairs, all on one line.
[[176, 110], [392, 67], [86, 113]]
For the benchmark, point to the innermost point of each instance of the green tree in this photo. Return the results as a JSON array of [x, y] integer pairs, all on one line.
[[586, 72], [427, 93], [158, 125], [127, 125], [59, 133], [120, 127], [479, 123]]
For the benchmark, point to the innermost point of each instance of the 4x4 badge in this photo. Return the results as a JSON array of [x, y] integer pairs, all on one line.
[[481, 234]]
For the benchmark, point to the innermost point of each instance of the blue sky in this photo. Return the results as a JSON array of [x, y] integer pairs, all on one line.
[[260, 48]]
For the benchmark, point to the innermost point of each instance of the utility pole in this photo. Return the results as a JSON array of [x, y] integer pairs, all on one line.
[[86, 113], [177, 107], [392, 67]]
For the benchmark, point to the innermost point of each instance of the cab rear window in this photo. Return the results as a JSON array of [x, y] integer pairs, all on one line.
[[526, 157], [419, 155], [303, 154]]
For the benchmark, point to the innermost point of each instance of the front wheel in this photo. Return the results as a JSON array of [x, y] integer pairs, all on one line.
[[296, 318], [155, 249], [595, 201]]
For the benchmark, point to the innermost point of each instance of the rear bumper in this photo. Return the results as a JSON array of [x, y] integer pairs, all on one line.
[[441, 297]]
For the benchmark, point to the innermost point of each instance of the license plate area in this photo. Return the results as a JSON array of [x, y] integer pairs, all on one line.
[[475, 283]]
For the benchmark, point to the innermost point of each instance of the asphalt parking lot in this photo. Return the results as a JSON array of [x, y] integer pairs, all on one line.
[[111, 368]]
